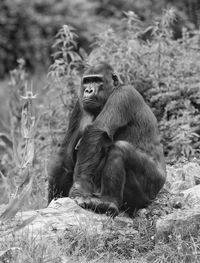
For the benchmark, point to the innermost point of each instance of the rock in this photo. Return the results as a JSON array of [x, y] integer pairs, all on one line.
[[191, 196], [187, 198], [181, 220], [182, 178], [64, 214]]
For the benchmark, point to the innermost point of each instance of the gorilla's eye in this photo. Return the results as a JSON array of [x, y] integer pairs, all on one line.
[[100, 86]]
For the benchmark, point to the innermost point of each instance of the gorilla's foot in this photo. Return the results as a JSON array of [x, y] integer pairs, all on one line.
[[98, 205]]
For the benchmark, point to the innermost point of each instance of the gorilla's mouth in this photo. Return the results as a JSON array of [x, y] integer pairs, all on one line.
[[92, 106], [90, 103]]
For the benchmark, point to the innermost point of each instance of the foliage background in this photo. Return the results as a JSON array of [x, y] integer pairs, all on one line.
[[27, 28]]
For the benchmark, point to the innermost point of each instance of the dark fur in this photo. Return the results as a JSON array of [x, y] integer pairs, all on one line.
[[119, 162]]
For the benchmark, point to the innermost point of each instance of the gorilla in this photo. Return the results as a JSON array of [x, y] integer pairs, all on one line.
[[111, 158]]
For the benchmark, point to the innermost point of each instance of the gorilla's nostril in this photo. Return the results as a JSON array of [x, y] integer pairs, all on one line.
[[89, 91]]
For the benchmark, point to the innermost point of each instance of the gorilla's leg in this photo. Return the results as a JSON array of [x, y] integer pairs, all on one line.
[[129, 177]]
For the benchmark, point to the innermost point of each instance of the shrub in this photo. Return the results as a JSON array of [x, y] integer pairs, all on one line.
[[164, 71], [27, 29]]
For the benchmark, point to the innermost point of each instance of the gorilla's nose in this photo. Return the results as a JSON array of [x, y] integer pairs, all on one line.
[[88, 91]]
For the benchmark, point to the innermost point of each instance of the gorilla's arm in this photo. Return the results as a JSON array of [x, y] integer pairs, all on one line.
[[61, 167]]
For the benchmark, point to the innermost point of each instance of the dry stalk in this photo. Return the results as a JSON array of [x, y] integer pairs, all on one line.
[[25, 159]]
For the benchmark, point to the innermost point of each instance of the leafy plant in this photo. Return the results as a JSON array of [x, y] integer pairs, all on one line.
[[164, 71], [63, 72], [23, 160]]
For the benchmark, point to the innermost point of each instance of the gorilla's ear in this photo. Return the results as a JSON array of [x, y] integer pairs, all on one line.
[[115, 79]]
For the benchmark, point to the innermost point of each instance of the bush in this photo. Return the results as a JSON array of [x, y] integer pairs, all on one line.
[[164, 71], [27, 29]]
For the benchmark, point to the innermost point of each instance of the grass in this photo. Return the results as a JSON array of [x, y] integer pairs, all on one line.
[[85, 243], [79, 245]]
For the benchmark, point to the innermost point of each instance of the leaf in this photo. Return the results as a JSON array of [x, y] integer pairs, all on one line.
[[17, 157], [27, 122], [29, 153], [20, 197], [4, 189]]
